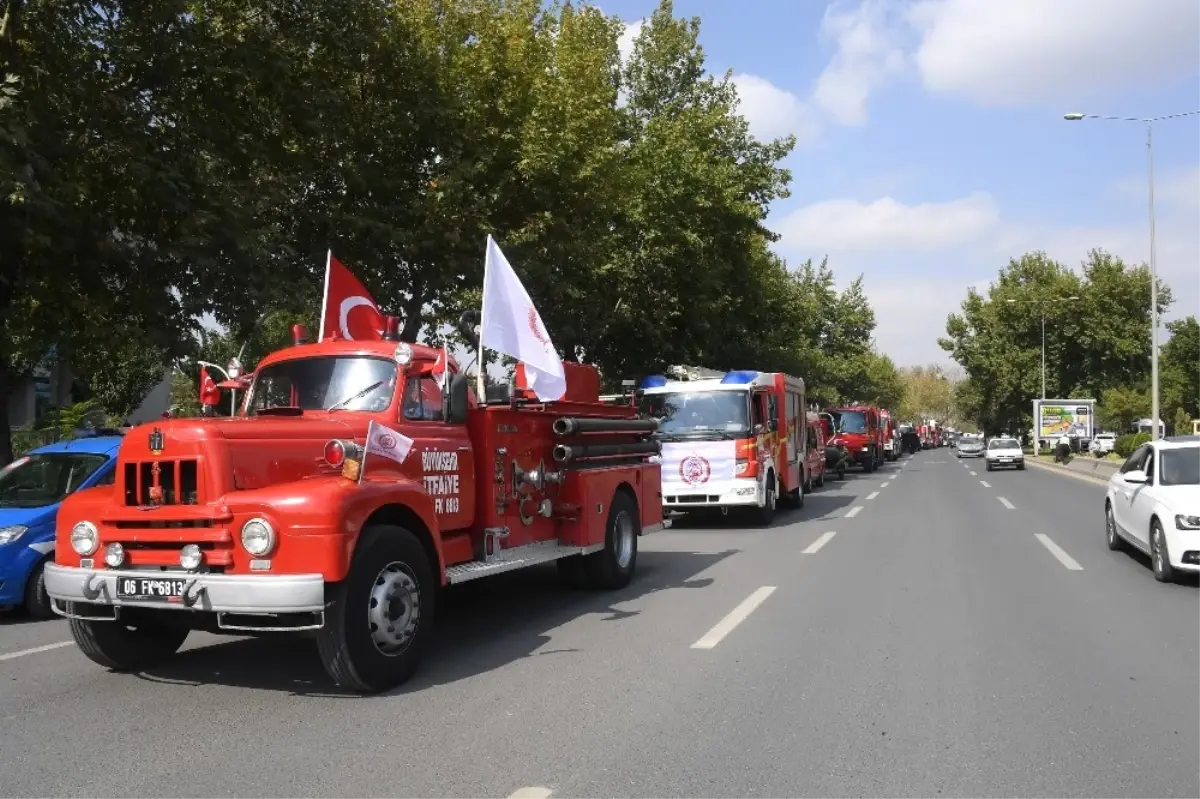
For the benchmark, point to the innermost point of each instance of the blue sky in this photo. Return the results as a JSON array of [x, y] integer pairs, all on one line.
[[932, 146]]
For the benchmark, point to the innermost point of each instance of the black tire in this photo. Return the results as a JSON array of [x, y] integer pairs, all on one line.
[[1160, 560], [572, 571], [988, 466], [1020, 467], [37, 602], [766, 514], [612, 567], [841, 472], [820, 482], [1112, 537], [806, 487], [124, 647], [390, 578]]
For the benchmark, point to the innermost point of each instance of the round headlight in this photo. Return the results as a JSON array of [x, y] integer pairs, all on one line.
[[191, 556], [258, 537], [114, 555], [84, 538]]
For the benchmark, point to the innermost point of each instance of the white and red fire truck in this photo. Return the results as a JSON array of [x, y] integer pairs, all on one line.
[[730, 440], [355, 482]]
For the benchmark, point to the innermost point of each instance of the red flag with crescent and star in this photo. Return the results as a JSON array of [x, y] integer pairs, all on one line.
[[210, 394], [348, 310]]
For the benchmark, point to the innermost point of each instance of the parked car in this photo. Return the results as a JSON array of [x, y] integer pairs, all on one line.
[[1103, 444], [1153, 504], [31, 489], [1005, 452]]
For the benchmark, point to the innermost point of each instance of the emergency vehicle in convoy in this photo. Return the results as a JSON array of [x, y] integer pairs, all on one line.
[[857, 427], [729, 439], [887, 430], [358, 479]]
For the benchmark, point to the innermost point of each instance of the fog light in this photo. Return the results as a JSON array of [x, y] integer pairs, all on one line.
[[258, 537], [114, 555], [84, 538], [191, 556]]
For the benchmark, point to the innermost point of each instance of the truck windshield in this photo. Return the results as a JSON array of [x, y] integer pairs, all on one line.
[[352, 383], [698, 412], [1180, 467], [850, 421], [39, 480]]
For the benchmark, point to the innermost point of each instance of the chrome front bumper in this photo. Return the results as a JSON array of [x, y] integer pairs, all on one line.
[[253, 594]]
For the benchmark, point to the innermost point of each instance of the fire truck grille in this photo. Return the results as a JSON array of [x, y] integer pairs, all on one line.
[[178, 481]]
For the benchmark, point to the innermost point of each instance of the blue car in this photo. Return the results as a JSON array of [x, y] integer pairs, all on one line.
[[31, 489]]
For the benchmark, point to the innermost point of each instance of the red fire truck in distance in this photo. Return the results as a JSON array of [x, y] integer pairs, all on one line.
[[730, 440], [858, 429], [280, 520], [889, 436]]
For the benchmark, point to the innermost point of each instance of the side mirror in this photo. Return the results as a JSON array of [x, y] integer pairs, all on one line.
[[773, 426], [1136, 476], [454, 399]]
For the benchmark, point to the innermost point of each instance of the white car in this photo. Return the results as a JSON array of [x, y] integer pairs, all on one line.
[[1153, 503], [1004, 452], [1103, 443]]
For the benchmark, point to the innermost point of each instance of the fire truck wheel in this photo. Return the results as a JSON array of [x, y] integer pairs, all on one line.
[[821, 479], [127, 647], [612, 567], [380, 617], [766, 514]]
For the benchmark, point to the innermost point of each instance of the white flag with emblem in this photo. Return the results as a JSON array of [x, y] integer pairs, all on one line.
[[511, 325], [383, 440]]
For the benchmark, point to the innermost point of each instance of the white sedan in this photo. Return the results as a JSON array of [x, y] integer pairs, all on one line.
[[1004, 452], [1153, 503]]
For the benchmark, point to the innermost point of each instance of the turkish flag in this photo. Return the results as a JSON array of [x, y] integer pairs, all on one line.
[[209, 393], [348, 310]]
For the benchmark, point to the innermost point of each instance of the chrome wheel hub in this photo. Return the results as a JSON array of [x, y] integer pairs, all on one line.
[[393, 609], [623, 538]]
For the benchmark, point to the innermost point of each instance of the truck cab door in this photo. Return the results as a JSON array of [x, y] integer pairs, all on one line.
[[441, 458]]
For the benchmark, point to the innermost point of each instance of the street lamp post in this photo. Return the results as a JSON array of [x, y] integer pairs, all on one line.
[[1149, 123], [1042, 306]]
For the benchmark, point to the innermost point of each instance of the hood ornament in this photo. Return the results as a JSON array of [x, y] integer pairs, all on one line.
[[156, 442]]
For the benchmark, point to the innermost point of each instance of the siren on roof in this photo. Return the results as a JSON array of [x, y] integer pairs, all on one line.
[[739, 377], [654, 381]]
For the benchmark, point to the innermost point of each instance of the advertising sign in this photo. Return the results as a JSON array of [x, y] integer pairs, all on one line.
[[1053, 418]]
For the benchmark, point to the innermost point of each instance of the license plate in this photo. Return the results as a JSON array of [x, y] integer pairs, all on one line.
[[1006, 460], [150, 588]]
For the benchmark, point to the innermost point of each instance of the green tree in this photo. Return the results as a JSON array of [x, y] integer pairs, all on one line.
[[1179, 368], [1121, 407]]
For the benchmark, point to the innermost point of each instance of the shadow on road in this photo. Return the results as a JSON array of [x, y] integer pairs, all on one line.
[[482, 626]]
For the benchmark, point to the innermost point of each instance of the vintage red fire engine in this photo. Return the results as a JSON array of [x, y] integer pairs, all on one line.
[[283, 519]]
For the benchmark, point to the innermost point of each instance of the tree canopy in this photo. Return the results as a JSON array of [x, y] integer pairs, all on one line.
[[167, 159]]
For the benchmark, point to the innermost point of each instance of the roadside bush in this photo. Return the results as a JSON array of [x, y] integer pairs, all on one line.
[[1126, 444]]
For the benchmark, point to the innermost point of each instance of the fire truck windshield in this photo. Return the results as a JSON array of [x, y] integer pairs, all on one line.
[[354, 383], [850, 421], [688, 413]]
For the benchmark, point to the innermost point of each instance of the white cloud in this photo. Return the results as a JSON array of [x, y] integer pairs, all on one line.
[[866, 56], [1022, 52], [773, 112], [885, 225]]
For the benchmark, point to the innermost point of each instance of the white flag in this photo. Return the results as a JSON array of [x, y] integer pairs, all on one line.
[[383, 440], [511, 325]]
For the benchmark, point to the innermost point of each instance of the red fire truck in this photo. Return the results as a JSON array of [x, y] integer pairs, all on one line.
[[858, 429], [288, 517], [891, 439]]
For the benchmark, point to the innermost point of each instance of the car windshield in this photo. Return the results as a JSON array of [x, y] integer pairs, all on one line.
[[1179, 467], [1004, 443], [850, 421], [691, 412], [39, 480], [354, 383]]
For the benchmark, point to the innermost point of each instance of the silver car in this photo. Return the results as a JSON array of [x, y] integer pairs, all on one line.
[[969, 448]]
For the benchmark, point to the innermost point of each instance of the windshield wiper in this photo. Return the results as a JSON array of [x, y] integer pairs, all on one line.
[[338, 405]]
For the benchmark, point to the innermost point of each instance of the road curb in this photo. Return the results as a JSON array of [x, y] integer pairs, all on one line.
[[1094, 471]]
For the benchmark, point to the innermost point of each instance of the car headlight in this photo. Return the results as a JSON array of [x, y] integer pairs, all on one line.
[[11, 533], [1187, 522], [258, 537], [85, 539]]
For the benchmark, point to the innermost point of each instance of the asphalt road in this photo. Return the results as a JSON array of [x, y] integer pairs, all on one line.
[[913, 632]]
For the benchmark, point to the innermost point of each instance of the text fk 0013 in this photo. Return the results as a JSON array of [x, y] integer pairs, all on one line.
[[441, 479]]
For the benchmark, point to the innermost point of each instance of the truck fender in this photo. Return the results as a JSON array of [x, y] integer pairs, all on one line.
[[400, 502]]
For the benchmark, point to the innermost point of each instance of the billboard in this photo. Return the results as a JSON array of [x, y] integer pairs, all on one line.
[[1054, 417]]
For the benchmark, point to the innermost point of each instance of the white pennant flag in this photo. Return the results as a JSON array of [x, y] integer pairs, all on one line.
[[511, 325], [383, 440]]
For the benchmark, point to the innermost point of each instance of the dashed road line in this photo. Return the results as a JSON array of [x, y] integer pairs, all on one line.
[[736, 616], [35, 650], [985, 484], [974, 473], [1058, 552], [815, 546], [883, 485], [531, 793], [872, 495], [1006, 503], [850, 514]]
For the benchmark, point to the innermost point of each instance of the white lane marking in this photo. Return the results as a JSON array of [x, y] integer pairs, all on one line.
[[1058, 552], [815, 546], [872, 495], [1006, 503], [974, 474], [530, 793], [883, 485], [35, 650], [985, 483], [736, 616], [854, 511]]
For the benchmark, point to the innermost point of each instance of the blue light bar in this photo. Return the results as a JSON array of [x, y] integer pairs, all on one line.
[[740, 377], [653, 381]]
